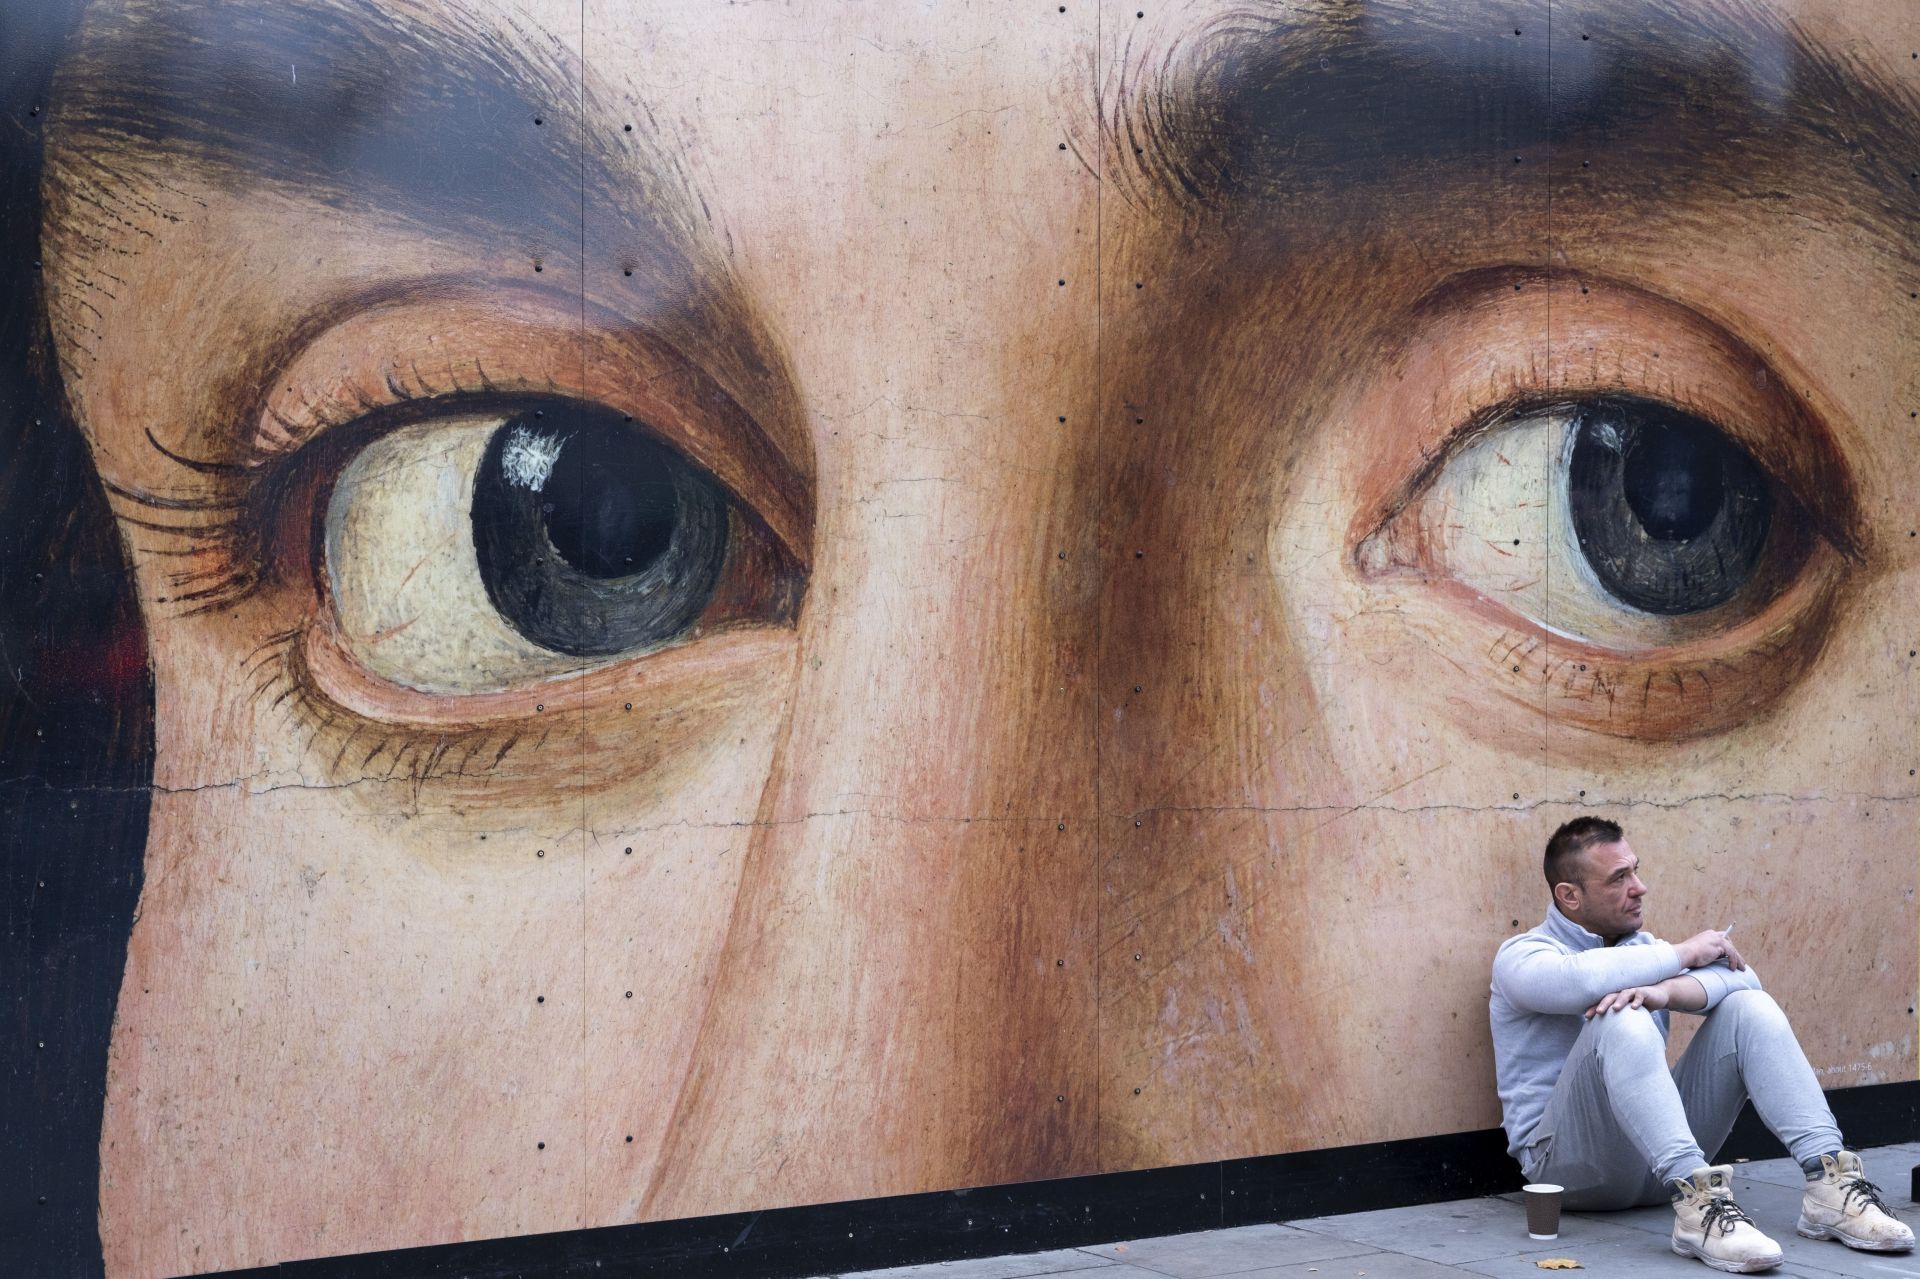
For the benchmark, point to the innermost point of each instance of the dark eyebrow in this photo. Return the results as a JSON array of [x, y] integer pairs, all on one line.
[[434, 122], [1719, 100], [447, 125], [346, 104]]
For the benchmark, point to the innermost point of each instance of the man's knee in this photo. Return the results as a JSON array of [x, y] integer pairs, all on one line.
[[1750, 1006], [1630, 1030], [1752, 1012]]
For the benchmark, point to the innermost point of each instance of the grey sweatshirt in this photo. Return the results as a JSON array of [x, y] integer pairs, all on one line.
[[1543, 980]]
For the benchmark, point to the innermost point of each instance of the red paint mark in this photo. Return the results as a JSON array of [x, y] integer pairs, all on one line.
[[437, 547], [1497, 548], [116, 662], [386, 633], [1503, 458]]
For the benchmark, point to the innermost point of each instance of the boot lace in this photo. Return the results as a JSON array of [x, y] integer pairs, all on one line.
[[1865, 1191], [1724, 1213]]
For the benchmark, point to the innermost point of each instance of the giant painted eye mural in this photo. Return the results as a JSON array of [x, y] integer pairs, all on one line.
[[1008, 593]]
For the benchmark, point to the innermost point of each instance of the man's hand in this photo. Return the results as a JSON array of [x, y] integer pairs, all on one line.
[[1702, 949], [1649, 997], [1682, 994]]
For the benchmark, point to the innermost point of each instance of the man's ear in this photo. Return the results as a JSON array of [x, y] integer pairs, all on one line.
[[1566, 896]]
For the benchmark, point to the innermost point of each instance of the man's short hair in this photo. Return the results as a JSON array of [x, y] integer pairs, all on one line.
[[1572, 839]]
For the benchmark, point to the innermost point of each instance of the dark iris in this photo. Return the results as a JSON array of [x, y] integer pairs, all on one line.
[[592, 537], [1670, 514]]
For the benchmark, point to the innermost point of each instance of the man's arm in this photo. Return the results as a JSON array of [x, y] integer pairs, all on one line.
[[1690, 992], [1537, 976], [1682, 994]]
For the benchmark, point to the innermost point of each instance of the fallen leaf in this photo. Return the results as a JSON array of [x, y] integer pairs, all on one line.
[[1559, 1263]]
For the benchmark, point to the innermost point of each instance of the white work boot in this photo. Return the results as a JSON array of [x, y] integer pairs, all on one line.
[[1708, 1224], [1844, 1205]]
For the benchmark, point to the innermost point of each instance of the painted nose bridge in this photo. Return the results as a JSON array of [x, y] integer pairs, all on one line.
[[918, 895], [1210, 754]]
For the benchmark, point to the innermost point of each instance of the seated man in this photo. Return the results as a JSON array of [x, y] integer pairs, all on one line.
[[1579, 1011]]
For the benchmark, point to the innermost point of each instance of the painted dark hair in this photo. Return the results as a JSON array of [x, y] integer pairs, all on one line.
[[76, 728]]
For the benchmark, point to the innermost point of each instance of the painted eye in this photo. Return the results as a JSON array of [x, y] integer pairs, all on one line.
[[1619, 521], [483, 552], [1610, 509]]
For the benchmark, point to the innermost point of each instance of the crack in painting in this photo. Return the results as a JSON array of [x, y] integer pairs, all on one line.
[[1508, 806]]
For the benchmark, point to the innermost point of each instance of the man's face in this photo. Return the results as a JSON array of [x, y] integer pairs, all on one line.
[[1610, 891], [774, 603]]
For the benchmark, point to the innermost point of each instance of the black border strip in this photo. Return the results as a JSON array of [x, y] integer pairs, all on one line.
[[867, 1234]]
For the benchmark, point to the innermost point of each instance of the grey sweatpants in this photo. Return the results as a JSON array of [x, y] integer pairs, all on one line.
[[1620, 1127]]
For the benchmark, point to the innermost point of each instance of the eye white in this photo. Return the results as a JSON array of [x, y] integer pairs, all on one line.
[[409, 603], [1498, 519]]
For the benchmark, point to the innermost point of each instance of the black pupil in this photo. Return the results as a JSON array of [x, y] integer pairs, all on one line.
[[1672, 479], [610, 510]]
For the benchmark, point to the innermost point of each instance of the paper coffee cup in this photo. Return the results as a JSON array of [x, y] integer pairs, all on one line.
[[1543, 1210]]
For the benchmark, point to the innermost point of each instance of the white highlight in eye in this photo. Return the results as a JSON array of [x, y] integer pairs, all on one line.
[[529, 456]]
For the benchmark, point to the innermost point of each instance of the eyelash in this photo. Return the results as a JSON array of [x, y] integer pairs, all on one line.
[[277, 682], [251, 493], [231, 540]]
